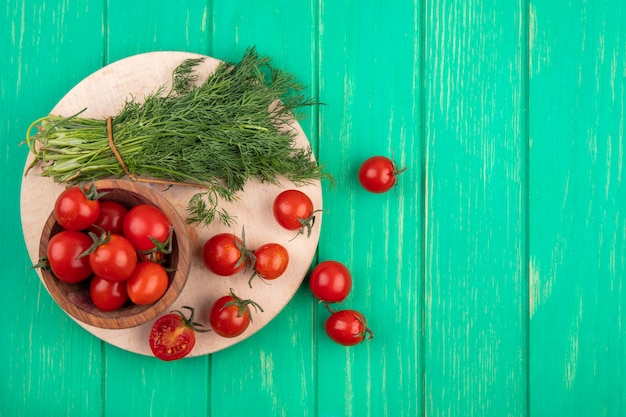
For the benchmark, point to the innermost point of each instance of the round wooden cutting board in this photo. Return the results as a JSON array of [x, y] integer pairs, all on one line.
[[103, 94]]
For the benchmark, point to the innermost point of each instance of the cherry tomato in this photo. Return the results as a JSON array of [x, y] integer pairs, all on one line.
[[271, 261], [147, 284], [173, 335], [77, 209], [293, 210], [330, 281], [114, 259], [230, 315], [111, 218], [63, 252], [107, 295], [378, 174], [348, 327], [223, 254], [144, 222]]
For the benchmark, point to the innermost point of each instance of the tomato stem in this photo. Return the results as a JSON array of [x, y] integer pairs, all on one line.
[[195, 326], [242, 305]]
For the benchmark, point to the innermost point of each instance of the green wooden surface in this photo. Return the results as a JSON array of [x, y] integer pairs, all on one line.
[[493, 277]]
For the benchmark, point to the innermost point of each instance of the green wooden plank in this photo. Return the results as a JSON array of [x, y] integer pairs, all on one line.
[[370, 55], [577, 201], [142, 26], [49, 361], [476, 285], [177, 388], [272, 371]]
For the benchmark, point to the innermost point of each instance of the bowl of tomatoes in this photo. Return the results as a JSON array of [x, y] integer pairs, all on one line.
[[114, 254]]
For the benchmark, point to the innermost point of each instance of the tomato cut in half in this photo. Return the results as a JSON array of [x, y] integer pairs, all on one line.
[[173, 335]]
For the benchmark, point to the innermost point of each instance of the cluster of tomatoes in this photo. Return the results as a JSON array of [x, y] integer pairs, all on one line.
[[120, 249], [225, 254], [173, 335]]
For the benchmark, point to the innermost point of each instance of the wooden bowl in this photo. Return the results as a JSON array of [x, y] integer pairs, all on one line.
[[75, 299]]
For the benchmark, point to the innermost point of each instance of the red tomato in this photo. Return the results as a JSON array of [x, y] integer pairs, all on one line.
[[144, 222], [107, 295], [348, 327], [147, 284], [378, 174], [271, 261], [330, 281], [114, 259], [293, 210], [230, 315], [77, 209], [111, 218], [63, 252], [173, 335], [223, 254]]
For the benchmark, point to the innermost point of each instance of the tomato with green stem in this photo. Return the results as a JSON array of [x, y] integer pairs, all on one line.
[[224, 254], [379, 174], [348, 327], [293, 210], [269, 261], [147, 227], [330, 281], [112, 257], [107, 295], [63, 256], [148, 283], [230, 316], [173, 335], [77, 207]]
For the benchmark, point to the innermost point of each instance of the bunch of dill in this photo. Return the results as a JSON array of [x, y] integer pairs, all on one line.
[[230, 128]]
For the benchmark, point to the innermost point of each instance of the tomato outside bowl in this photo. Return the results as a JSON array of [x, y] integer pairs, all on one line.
[[75, 300]]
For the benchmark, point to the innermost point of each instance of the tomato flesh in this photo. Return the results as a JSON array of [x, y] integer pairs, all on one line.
[[171, 338]]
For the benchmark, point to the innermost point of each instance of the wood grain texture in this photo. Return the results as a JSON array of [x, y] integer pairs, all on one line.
[[370, 82], [475, 283], [275, 369], [493, 279], [40, 372], [577, 199]]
